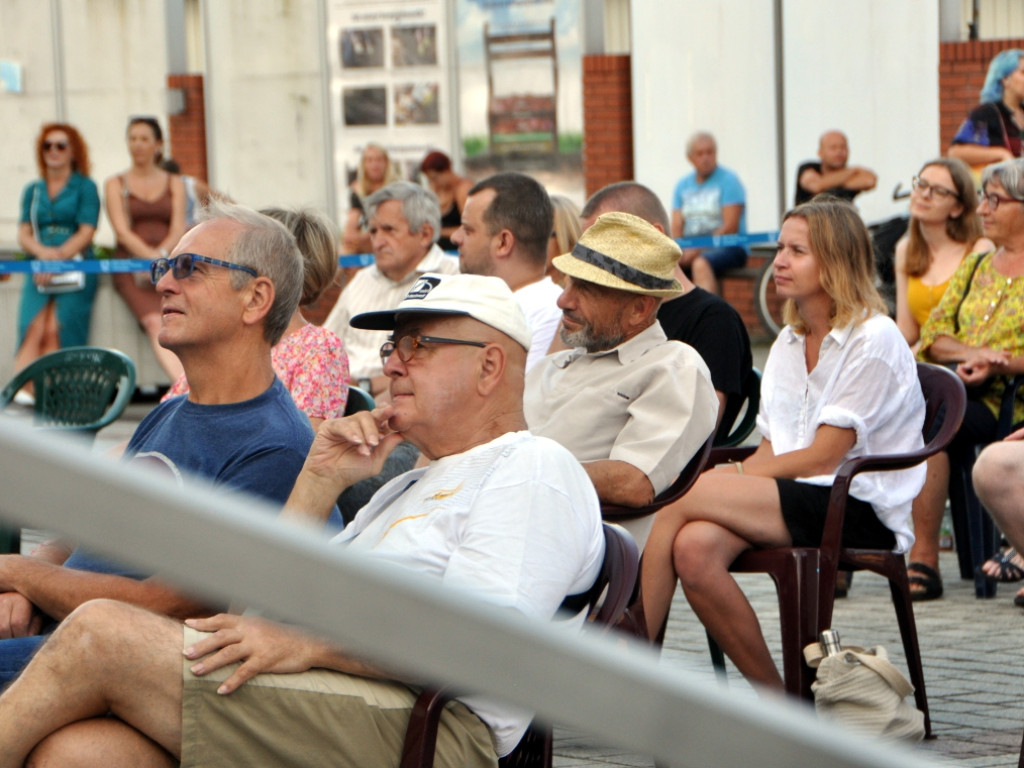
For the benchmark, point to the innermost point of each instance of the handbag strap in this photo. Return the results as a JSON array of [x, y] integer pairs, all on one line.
[[966, 290], [876, 662]]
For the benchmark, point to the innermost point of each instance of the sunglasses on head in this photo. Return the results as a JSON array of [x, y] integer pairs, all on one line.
[[48, 145], [182, 265]]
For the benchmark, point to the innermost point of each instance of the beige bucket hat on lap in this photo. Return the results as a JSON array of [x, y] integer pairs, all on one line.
[[625, 252]]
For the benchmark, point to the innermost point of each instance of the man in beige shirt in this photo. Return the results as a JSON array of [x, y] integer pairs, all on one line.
[[404, 221], [630, 404]]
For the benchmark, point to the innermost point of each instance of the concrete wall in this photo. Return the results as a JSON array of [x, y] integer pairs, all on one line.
[[868, 68], [114, 65], [265, 107]]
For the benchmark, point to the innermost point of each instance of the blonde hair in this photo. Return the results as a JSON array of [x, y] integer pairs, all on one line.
[[965, 228], [567, 226], [846, 267], [390, 174], [314, 234]]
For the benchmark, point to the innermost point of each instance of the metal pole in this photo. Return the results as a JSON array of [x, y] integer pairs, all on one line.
[[57, 33], [780, 106], [327, 126]]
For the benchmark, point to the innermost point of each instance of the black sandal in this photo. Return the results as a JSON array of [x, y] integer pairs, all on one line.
[[1009, 571], [927, 577]]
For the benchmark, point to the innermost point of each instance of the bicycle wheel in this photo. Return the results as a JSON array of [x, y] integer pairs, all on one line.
[[767, 304]]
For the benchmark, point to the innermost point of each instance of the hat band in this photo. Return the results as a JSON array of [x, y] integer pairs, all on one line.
[[620, 270]]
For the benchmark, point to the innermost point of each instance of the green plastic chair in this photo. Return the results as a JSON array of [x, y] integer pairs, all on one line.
[[745, 425], [78, 390], [358, 400]]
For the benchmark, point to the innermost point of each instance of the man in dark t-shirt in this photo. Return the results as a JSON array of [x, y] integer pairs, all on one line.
[[228, 292], [830, 173], [698, 318]]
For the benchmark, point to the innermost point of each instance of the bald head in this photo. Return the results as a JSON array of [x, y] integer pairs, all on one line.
[[833, 150], [628, 197]]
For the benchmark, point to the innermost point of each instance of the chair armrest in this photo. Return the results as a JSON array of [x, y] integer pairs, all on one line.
[[722, 454], [421, 733]]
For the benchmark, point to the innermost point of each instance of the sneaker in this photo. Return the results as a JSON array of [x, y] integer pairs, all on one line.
[[24, 398]]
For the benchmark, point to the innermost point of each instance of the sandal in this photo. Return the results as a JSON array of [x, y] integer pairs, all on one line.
[[1009, 571], [927, 578]]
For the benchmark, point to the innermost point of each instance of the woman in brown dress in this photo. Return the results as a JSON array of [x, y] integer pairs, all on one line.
[[146, 207]]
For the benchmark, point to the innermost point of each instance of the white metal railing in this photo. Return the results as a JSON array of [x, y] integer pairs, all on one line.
[[213, 543]]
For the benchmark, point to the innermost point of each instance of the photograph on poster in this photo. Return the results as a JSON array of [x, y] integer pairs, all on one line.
[[519, 90], [362, 48], [416, 104], [365, 106], [414, 46]]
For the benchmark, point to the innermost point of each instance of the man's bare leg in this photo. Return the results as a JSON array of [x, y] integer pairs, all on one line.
[[103, 742], [105, 657]]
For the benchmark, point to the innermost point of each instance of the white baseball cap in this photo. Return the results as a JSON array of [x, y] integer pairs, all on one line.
[[487, 299]]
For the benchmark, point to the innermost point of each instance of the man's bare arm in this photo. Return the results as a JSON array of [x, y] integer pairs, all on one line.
[[619, 482], [57, 590]]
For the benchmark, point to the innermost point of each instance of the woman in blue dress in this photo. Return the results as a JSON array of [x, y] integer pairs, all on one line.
[[59, 213]]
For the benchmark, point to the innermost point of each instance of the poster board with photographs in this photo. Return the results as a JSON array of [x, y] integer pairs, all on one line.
[[388, 84]]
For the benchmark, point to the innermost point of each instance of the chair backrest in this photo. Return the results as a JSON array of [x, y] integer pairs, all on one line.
[[358, 400], [748, 416], [945, 400], [607, 598], [77, 388], [682, 484]]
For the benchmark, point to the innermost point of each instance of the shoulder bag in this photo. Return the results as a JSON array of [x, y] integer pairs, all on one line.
[[861, 689]]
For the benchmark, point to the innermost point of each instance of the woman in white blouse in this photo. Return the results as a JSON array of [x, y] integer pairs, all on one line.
[[839, 382]]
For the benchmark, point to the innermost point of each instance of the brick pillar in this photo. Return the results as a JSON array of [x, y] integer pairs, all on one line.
[[188, 129], [962, 69], [607, 121]]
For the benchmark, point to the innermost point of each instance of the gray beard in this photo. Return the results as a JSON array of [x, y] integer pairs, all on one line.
[[585, 338]]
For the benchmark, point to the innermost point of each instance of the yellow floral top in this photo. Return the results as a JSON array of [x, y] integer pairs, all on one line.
[[991, 315]]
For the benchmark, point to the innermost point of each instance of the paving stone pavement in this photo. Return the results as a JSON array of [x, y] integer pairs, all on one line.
[[973, 665], [973, 660]]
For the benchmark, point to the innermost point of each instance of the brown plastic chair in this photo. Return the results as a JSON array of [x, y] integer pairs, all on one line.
[[805, 577], [605, 601], [633, 621], [683, 483]]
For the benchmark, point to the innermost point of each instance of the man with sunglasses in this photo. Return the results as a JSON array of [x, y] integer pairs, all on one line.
[[508, 516], [228, 292]]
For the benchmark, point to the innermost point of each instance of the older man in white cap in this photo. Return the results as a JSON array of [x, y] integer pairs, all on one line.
[[500, 512], [630, 404]]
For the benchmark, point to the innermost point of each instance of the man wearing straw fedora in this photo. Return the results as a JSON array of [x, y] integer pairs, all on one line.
[[630, 404]]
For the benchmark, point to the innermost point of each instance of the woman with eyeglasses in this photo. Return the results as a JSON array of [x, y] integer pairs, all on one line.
[[994, 130], [59, 214], [944, 228], [978, 330], [146, 207]]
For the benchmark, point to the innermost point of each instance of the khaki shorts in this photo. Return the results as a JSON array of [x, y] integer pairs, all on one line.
[[315, 718]]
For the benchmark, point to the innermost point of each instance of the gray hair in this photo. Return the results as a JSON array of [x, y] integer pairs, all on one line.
[[419, 205], [699, 136], [268, 247], [1009, 173]]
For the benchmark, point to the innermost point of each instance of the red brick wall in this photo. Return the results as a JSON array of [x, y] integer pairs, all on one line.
[[607, 121], [188, 130], [962, 68]]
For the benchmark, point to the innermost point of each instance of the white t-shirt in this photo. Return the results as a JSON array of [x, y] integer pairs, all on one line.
[[516, 521], [865, 380], [538, 302]]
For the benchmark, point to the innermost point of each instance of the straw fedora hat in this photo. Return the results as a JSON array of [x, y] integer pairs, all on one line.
[[625, 252]]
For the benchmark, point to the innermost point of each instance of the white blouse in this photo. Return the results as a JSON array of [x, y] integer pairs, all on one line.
[[865, 380]]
